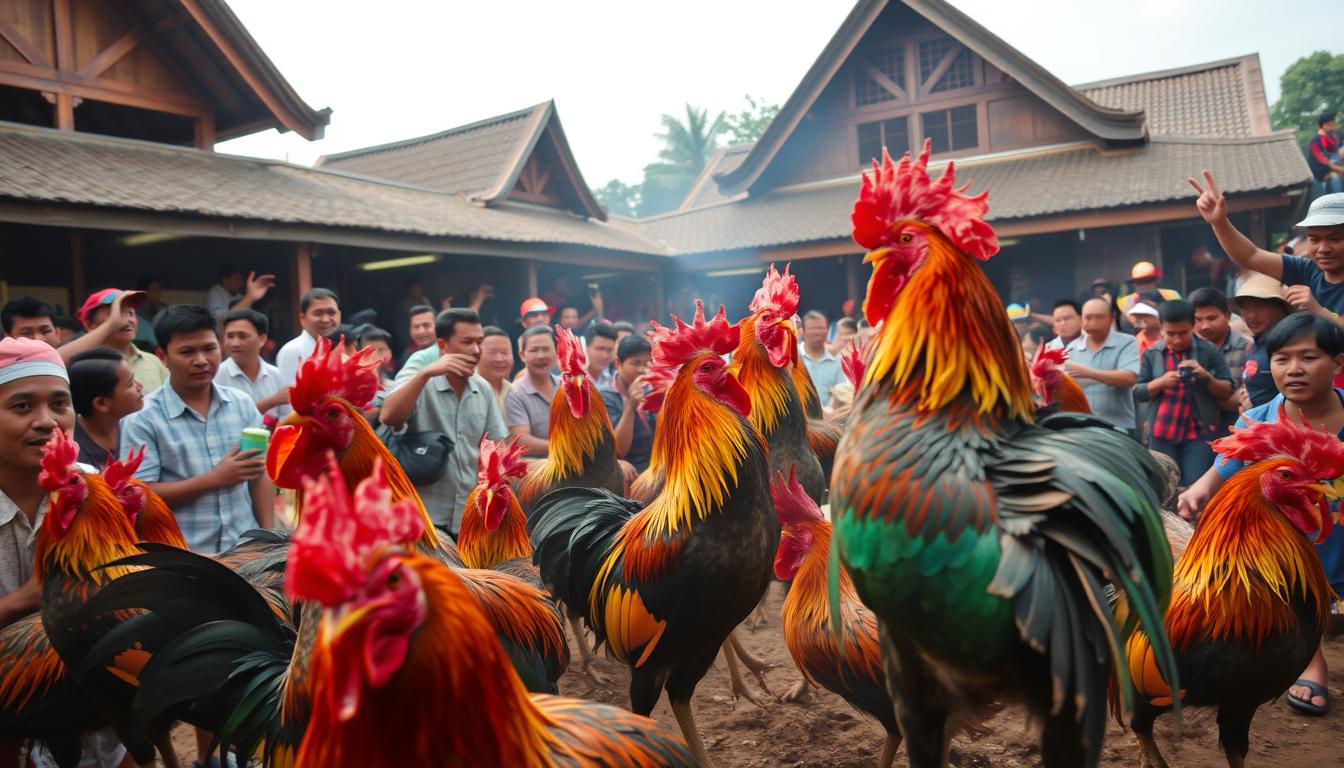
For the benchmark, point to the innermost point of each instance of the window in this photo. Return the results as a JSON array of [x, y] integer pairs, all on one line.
[[930, 53], [891, 65], [959, 74], [951, 129], [893, 134]]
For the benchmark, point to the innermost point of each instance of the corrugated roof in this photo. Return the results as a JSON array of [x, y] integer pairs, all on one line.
[[50, 166], [1221, 99], [466, 160], [1076, 178]]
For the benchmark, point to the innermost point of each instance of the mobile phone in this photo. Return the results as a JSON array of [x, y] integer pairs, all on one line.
[[594, 289]]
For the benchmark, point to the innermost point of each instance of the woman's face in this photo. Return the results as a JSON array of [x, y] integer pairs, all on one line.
[[1302, 371]]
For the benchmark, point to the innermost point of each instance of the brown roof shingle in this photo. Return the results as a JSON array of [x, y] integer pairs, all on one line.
[[49, 166], [1220, 99], [1076, 179]]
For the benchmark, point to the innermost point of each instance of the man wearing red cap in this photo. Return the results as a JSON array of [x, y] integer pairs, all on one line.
[[110, 320], [1144, 277]]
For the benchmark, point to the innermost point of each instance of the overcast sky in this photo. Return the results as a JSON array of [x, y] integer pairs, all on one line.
[[401, 68]]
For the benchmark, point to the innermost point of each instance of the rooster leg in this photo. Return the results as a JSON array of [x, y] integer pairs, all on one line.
[[889, 748], [1142, 725], [163, 741], [798, 694], [738, 687], [757, 667], [1234, 733], [920, 706], [586, 655]]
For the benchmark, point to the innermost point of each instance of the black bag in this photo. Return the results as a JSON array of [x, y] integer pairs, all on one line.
[[423, 456]]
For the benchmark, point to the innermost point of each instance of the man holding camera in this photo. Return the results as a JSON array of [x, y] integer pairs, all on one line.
[[1185, 377]]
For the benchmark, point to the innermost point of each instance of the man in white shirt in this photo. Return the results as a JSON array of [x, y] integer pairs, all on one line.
[[244, 335], [319, 315], [233, 292], [822, 366]]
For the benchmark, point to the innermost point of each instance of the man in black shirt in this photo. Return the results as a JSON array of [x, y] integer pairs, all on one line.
[[1260, 303]]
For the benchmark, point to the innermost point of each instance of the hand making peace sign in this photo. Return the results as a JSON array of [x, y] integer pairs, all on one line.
[[1211, 203]]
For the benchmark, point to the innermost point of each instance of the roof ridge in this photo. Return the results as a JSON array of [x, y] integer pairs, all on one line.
[[1162, 74], [403, 143]]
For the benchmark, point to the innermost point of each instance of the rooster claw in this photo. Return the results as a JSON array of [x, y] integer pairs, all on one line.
[[595, 676], [741, 691], [799, 693]]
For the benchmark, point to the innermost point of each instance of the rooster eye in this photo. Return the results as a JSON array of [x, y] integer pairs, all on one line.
[[332, 414], [1285, 474], [906, 238], [394, 579]]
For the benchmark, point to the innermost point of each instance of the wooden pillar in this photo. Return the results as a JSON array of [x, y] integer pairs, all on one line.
[[659, 307], [532, 287], [301, 272], [77, 287], [62, 20], [852, 290], [205, 132], [1258, 233]]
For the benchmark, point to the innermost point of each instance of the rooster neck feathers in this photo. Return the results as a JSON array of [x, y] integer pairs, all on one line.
[[1244, 565], [769, 388], [947, 334], [100, 533], [574, 442], [483, 548]]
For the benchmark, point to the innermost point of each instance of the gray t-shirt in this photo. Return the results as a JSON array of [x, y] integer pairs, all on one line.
[[1119, 352], [525, 406], [18, 537]]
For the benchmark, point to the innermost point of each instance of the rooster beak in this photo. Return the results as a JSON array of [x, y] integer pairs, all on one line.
[[873, 257]]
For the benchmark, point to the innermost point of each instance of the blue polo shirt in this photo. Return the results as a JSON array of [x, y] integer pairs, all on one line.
[[1301, 271], [1332, 549], [1259, 381]]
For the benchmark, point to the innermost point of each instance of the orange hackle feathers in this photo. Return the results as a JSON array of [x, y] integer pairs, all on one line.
[[1055, 386], [1320, 451], [675, 346], [86, 526], [573, 359], [494, 529], [904, 192], [329, 373], [778, 292]]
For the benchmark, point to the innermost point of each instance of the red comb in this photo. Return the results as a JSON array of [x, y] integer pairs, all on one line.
[[853, 364], [328, 373], [60, 452], [327, 552], [777, 292], [792, 504], [673, 347], [1321, 452], [573, 360], [119, 472], [904, 192], [500, 460], [1047, 360]]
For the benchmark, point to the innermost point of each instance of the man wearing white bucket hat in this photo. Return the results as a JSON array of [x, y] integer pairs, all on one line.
[[1313, 284]]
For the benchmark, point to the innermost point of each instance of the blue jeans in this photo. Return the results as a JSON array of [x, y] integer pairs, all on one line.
[[1194, 457]]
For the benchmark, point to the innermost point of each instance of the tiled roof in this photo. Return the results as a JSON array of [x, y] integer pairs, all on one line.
[[48, 166], [1076, 178], [1221, 99], [467, 160], [705, 191]]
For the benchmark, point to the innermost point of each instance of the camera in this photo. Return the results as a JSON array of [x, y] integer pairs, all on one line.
[[1187, 374]]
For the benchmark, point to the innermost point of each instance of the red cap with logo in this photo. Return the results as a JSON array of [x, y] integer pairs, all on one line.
[[105, 297]]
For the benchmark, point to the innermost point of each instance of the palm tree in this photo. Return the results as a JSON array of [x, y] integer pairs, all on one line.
[[686, 148]]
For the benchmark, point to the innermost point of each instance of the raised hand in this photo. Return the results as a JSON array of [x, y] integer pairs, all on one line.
[[259, 285], [1211, 203]]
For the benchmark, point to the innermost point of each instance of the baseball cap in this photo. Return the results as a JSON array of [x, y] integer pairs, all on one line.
[[1325, 211], [532, 306], [1258, 286], [105, 297], [1018, 312], [1140, 308], [21, 358], [1145, 270]]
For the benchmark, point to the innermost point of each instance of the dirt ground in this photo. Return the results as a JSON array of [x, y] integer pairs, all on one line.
[[825, 731]]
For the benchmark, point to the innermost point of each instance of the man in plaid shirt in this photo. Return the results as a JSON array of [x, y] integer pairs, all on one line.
[[1212, 324], [1186, 377]]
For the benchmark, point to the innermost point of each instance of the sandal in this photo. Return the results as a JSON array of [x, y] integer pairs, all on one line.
[[1304, 705]]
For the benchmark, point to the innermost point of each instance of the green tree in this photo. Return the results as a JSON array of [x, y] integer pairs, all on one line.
[[1313, 85], [619, 198], [746, 126], [686, 148]]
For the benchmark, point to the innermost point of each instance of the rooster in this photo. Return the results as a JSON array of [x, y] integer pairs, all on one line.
[[406, 669], [982, 541], [150, 515], [329, 396], [494, 528], [850, 666], [582, 450], [1053, 385], [664, 584], [1250, 600]]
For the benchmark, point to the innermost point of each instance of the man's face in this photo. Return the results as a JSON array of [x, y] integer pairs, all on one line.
[[129, 395], [192, 359], [814, 332], [633, 367], [466, 340], [233, 282], [569, 318], [422, 329], [535, 318], [1302, 371], [600, 353], [496, 358], [1178, 336], [539, 353], [39, 328], [1067, 322], [321, 318], [1211, 323], [125, 333], [153, 292], [1096, 318], [30, 409], [1328, 126], [1326, 247], [1146, 323], [242, 343], [1260, 315]]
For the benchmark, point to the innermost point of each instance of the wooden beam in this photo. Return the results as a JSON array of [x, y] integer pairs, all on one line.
[[205, 132], [77, 287], [65, 112], [15, 38], [532, 288], [63, 21], [301, 271], [26, 76], [853, 289], [111, 55]]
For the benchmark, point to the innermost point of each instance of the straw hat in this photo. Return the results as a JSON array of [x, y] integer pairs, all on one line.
[[1258, 286]]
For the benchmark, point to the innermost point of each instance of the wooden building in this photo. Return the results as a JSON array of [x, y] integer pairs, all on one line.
[[110, 109]]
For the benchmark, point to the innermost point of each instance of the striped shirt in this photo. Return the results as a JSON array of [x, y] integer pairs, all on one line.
[[181, 444]]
